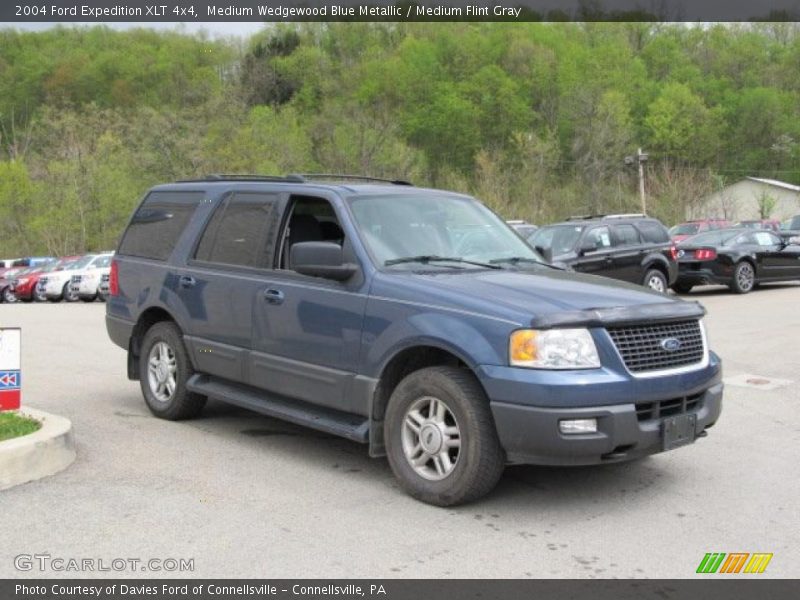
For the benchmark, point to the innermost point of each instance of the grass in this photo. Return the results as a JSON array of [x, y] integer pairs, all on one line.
[[13, 425]]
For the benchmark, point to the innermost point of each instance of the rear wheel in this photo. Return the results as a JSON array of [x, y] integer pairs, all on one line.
[[655, 280], [440, 437], [744, 278], [9, 296], [164, 369]]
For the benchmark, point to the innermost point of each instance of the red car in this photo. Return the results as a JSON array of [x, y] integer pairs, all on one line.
[[689, 228], [24, 284], [771, 224]]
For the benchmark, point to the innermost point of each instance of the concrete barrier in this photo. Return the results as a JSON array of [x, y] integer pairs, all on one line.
[[47, 451]]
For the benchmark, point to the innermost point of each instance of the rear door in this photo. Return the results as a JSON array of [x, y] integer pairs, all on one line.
[[629, 253], [218, 283]]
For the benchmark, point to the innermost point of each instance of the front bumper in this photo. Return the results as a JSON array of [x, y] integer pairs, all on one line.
[[527, 406]]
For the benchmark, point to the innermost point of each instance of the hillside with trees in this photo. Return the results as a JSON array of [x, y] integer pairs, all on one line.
[[535, 119]]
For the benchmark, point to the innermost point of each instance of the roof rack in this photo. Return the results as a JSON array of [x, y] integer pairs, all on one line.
[[247, 177], [618, 216], [307, 176]]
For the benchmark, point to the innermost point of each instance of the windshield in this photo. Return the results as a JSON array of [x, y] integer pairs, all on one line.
[[435, 225], [685, 229], [712, 238], [560, 238]]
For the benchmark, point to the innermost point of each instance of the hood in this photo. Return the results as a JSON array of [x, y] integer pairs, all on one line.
[[547, 298]]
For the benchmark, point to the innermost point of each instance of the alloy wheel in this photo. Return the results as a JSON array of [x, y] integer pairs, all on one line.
[[162, 370], [431, 438]]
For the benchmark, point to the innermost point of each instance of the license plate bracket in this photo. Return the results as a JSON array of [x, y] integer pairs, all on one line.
[[678, 430]]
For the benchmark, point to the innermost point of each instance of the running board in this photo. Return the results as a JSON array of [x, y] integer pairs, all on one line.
[[346, 425]]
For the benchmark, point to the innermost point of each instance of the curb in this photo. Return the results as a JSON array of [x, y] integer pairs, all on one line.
[[44, 452]]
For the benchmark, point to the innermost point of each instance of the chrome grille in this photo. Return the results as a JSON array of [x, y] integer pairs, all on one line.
[[642, 346], [76, 279]]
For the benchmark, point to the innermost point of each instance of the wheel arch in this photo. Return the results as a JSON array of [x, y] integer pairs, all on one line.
[[402, 363], [148, 318]]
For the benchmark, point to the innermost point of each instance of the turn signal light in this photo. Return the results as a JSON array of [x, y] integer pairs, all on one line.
[[705, 254], [673, 251]]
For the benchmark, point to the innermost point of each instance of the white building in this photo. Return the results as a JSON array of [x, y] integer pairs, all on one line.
[[744, 199]]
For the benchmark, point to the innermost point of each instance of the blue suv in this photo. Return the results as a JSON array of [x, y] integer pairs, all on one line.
[[412, 320]]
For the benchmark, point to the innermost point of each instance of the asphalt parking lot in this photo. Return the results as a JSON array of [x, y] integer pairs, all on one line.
[[249, 496]]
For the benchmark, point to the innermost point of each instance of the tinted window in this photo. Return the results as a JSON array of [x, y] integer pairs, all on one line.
[[158, 223], [627, 235], [713, 238], [241, 231], [652, 232]]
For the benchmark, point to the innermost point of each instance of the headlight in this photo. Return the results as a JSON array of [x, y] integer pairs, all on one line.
[[553, 349], [22, 281]]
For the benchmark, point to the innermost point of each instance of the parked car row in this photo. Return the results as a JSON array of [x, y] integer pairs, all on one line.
[[639, 249], [68, 278]]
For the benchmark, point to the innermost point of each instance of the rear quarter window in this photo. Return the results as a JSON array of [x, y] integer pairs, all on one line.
[[652, 232], [158, 223]]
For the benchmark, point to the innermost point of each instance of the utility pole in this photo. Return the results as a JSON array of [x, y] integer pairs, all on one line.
[[639, 159]]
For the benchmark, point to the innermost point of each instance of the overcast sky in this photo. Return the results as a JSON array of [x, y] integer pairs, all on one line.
[[214, 29]]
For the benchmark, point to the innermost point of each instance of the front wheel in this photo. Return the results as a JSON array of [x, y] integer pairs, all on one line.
[[744, 278], [655, 280], [164, 369], [39, 294], [9, 296], [440, 437]]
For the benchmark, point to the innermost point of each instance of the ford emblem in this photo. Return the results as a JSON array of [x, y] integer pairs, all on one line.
[[671, 344]]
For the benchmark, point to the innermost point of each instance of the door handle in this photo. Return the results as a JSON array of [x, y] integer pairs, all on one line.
[[187, 281], [273, 296]]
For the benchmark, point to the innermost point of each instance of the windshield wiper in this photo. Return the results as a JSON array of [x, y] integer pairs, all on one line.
[[428, 258], [515, 260]]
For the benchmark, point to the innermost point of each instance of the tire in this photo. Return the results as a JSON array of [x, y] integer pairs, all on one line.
[[744, 277], [475, 465], [656, 281], [89, 298], [37, 296], [68, 294], [682, 288], [9, 297], [164, 342]]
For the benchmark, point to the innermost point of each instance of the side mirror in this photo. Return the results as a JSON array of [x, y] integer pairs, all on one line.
[[547, 253], [586, 247], [321, 259]]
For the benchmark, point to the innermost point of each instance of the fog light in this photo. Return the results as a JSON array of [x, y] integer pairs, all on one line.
[[578, 426]]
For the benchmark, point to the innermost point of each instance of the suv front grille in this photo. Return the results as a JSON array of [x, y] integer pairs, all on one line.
[[104, 278], [642, 347], [76, 279], [42, 281], [646, 411]]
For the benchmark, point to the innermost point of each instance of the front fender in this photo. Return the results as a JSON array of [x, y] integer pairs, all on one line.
[[473, 343]]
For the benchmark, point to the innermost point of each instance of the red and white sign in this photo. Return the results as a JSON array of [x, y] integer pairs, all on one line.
[[10, 373]]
